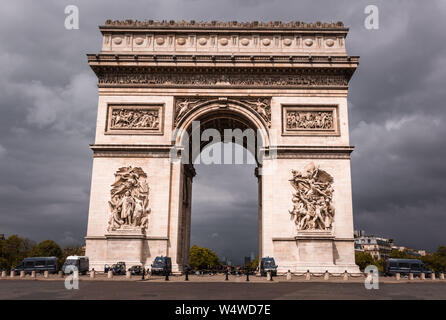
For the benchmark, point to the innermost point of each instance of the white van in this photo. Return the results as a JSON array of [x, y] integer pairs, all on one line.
[[80, 262]]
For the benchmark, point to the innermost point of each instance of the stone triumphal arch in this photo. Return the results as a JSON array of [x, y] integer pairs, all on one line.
[[286, 81]]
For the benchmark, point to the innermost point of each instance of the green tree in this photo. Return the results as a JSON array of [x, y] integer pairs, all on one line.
[[363, 259], [3, 261], [397, 254], [441, 251], [437, 260], [254, 264], [381, 264], [13, 250], [48, 248], [203, 258]]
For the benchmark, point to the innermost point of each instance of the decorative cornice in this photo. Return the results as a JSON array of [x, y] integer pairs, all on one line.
[[310, 152], [279, 152], [255, 25], [128, 151], [290, 60], [153, 238]]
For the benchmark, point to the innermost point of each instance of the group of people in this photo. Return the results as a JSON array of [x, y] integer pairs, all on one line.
[[127, 118], [129, 199], [312, 201], [311, 120]]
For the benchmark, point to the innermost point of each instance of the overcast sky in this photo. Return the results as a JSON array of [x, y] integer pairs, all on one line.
[[396, 106]]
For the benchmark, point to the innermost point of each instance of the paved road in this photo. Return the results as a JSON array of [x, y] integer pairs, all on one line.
[[47, 290]]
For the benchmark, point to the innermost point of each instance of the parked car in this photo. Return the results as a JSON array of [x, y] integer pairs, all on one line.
[[135, 270], [160, 265], [406, 266], [81, 263], [38, 264], [117, 268], [268, 264]]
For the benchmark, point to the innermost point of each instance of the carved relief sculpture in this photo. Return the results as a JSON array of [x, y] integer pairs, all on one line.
[[134, 119], [179, 79], [129, 204], [309, 120], [312, 201], [261, 106], [183, 105]]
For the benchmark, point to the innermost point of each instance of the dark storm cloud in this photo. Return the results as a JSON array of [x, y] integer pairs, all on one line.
[[397, 111]]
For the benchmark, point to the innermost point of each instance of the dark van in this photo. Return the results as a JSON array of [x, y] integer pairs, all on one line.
[[406, 266], [79, 263], [37, 264], [268, 264], [161, 265]]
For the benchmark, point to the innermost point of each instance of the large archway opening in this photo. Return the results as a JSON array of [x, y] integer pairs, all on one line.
[[222, 148], [224, 215]]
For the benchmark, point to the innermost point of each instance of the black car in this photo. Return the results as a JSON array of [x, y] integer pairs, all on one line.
[[135, 270], [38, 264], [117, 268]]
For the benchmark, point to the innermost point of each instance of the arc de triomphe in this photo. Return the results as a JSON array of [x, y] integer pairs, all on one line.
[[287, 81]]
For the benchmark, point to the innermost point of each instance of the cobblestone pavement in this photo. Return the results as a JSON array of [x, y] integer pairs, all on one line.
[[215, 287]]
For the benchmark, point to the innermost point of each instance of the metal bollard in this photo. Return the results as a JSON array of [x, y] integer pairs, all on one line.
[[12, 274], [128, 274], [143, 273], [166, 275], [345, 275], [326, 275], [22, 274], [33, 274], [288, 275], [411, 276], [187, 275], [45, 274], [92, 274], [433, 275], [226, 275], [308, 275], [110, 274], [423, 276], [398, 276], [247, 275]]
